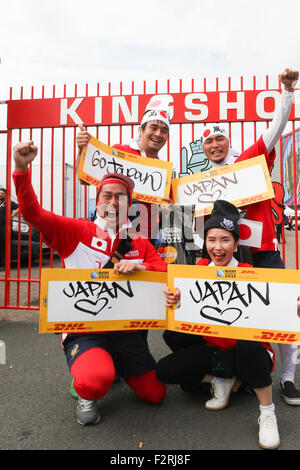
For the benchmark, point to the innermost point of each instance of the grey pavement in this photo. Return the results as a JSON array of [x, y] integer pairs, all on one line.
[[37, 411]]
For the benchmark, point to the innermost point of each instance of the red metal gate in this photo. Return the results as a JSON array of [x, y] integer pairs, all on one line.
[[112, 115]]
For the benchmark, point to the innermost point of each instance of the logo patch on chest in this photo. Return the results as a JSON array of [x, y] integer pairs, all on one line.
[[99, 244]]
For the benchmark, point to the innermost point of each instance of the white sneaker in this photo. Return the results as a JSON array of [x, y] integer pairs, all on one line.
[[268, 436], [221, 394]]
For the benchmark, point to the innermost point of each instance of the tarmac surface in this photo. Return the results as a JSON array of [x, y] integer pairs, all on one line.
[[37, 411]]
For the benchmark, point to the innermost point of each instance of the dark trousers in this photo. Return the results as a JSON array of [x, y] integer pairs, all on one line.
[[192, 360], [268, 259]]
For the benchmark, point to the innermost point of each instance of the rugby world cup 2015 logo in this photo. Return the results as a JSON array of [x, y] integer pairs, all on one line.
[[220, 273]]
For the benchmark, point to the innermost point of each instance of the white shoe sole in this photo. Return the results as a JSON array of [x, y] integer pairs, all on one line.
[[91, 423], [291, 401], [275, 446], [234, 388]]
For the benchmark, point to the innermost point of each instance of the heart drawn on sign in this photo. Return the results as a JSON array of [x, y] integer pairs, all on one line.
[[227, 316], [90, 306], [210, 197]]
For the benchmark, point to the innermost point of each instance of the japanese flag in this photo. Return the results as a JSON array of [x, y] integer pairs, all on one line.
[[250, 232]]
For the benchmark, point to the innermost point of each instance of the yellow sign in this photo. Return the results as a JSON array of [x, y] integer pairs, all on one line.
[[241, 183], [152, 177], [240, 303], [81, 300]]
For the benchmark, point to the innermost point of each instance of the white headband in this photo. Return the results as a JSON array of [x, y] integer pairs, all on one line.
[[213, 129], [155, 115], [157, 109]]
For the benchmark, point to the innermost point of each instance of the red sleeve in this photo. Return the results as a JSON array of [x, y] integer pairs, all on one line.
[[152, 260], [258, 148], [203, 262], [58, 232]]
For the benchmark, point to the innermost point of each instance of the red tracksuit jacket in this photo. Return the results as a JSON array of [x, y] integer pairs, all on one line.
[[79, 242]]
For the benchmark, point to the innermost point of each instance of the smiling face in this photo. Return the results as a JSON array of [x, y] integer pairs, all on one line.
[[112, 204], [153, 137], [216, 148], [220, 246]]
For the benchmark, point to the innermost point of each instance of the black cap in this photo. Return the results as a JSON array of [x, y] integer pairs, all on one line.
[[226, 216]]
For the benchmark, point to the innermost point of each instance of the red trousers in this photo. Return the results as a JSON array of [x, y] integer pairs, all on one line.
[[94, 373]]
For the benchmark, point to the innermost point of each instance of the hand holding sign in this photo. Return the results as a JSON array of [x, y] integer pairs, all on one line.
[[82, 141], [82, 138], [128, 267], [172, 298]]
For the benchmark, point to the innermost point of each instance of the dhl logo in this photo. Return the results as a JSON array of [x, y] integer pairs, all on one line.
[[143, 324], [143, 197], [271, 336], [196, 328], [251, 199], [69, 326], [204, 211], [91, 180]]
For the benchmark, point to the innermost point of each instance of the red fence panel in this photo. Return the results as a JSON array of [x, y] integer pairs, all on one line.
[[112, 114]]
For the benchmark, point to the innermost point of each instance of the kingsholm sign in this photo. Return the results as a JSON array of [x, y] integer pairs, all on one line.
[[215, 106]]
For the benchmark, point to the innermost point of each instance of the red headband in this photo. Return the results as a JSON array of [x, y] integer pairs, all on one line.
[[117, 178]]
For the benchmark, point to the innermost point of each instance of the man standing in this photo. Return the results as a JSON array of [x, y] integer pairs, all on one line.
[[93, 358], [216, 146], [13, 210], [153, 134]]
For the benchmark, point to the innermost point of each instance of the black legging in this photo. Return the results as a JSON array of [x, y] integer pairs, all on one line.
[[192, 360]]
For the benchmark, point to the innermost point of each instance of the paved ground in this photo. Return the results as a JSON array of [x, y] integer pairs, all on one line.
[[37, 411]]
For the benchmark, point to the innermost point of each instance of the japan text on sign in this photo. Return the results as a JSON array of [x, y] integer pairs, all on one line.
[[240, 303], [81, 300], [241, 183], [152, 177], [213, 106]]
